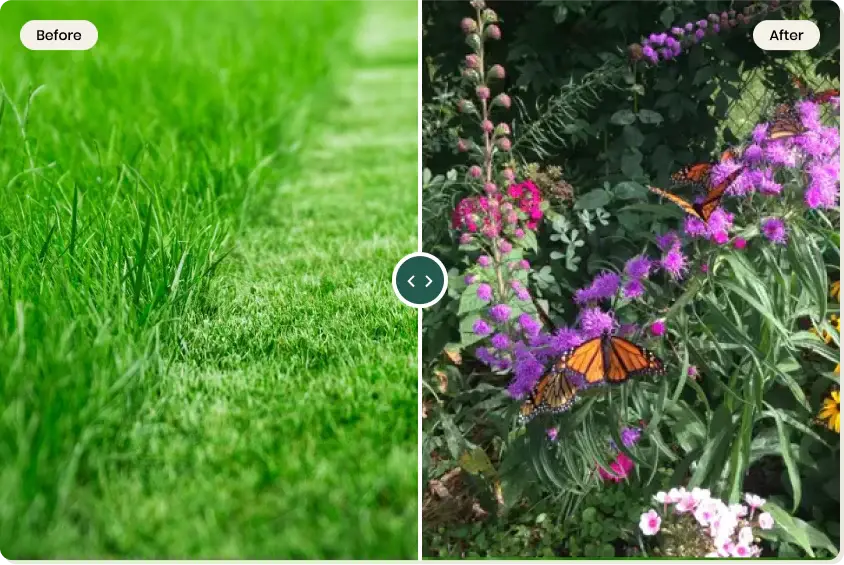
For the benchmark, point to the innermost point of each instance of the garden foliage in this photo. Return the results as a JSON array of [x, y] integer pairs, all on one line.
[[544, 162]]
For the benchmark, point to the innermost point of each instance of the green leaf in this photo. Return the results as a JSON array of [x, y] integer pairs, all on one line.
[[476, 462], [594, 199], [703, 75], [788, 459], [798, 532], [623, 118], [650, 117], [632, 136], [469, 301]]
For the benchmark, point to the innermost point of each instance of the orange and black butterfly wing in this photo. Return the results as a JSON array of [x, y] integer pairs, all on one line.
[[714, 196], [627, 360], [551, 395], [801, 87], [584, 365], [786, 123], [824, 96], [696, 174], [686, 206]]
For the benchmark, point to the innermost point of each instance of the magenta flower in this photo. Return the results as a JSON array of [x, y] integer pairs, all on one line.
[[667, 240], [740, 243], [484, 261], [619, 469], [469, 279], [674, 263], [774, 229], [638, 267], [500, 313], [481, 328], [552, 433], [529, 325], [658, 328], [500, 341], [485, 292], [594, 322], [633, 289], [691, 371], [760, 133]]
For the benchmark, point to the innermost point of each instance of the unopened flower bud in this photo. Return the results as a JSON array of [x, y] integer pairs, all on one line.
[[490, 188], [502, 100], [732, 23], [508, 174], [473, 40], [635, 51], [713, 17], [504, 144], [489, 16], [482, 92], [502, 129], [466, 238], [466, 107], [492, 32], [471, 75], [496, 72], [478, 4], [463, 145], [487, 126], [475, 172], [468, 25], [473, 61], [506, 207]]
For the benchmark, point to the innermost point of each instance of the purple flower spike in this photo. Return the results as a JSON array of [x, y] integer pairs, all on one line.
[[500, 313], [774, 229], [594, 322]]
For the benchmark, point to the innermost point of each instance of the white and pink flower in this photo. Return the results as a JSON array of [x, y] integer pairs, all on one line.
[[766, 521], [649, 522]]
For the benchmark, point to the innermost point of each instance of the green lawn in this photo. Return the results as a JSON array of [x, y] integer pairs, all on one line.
[[200, 352]]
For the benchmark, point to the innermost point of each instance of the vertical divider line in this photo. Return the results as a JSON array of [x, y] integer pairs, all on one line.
[[419, 248]]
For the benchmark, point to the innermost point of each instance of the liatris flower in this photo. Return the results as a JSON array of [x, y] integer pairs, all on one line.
[[481, 328], [526, 370], [469, 279], [638, 267], [774, 229], [500, 341], [500, 313], [633, 289], [602, 287], [674, 263], [667, 240], [594, 322], [484, 292], [530, 326]]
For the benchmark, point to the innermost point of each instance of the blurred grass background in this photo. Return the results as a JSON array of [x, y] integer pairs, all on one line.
[[200, 353]]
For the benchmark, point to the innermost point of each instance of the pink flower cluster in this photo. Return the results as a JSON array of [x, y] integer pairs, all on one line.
[[527, 198], [478, 213], [728, 527]]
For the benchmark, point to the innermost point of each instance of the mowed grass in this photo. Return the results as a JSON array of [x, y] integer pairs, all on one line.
[[200, 352]]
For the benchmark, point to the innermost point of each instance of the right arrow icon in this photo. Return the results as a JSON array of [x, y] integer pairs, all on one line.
[[429, 281]]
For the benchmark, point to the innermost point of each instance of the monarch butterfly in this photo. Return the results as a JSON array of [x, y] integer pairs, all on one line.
[[786, 123], [697, 174], [821, 97], [609, 359], [700, 210], [597, 361], [551, 395]]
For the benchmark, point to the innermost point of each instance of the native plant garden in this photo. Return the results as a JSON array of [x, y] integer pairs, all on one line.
[[618, 371]]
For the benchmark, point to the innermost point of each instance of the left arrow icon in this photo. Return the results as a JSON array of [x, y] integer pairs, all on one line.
[[410, 281]]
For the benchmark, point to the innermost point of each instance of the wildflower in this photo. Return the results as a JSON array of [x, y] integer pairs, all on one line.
[[502, 129], [475, 172], [564, 339], [674, 263], [633, 289], [830, 412], [481, 328], [705, 513], [766, 521], [638, 267], [529, 325], [470, 279], [619, 469], [472, 61], [603, 286], [595, 322], [524, 264], [740, 243], [527, 370], [552, 433], [691, 371], [484, 261], [649, 522], [740, 550], [754, 501], [500, 341], [745, 535], [490, 188], [760, 133], [504, 143], [500, 313], [465, 238], [497, 72], [487, 126], [485, 292], [482, 92], [485, 356], [774, 229], [505, 246], [667, 240], [835, 290], [523, 295], [630, 436], [739, 510], [463, 145], [753, 154]]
